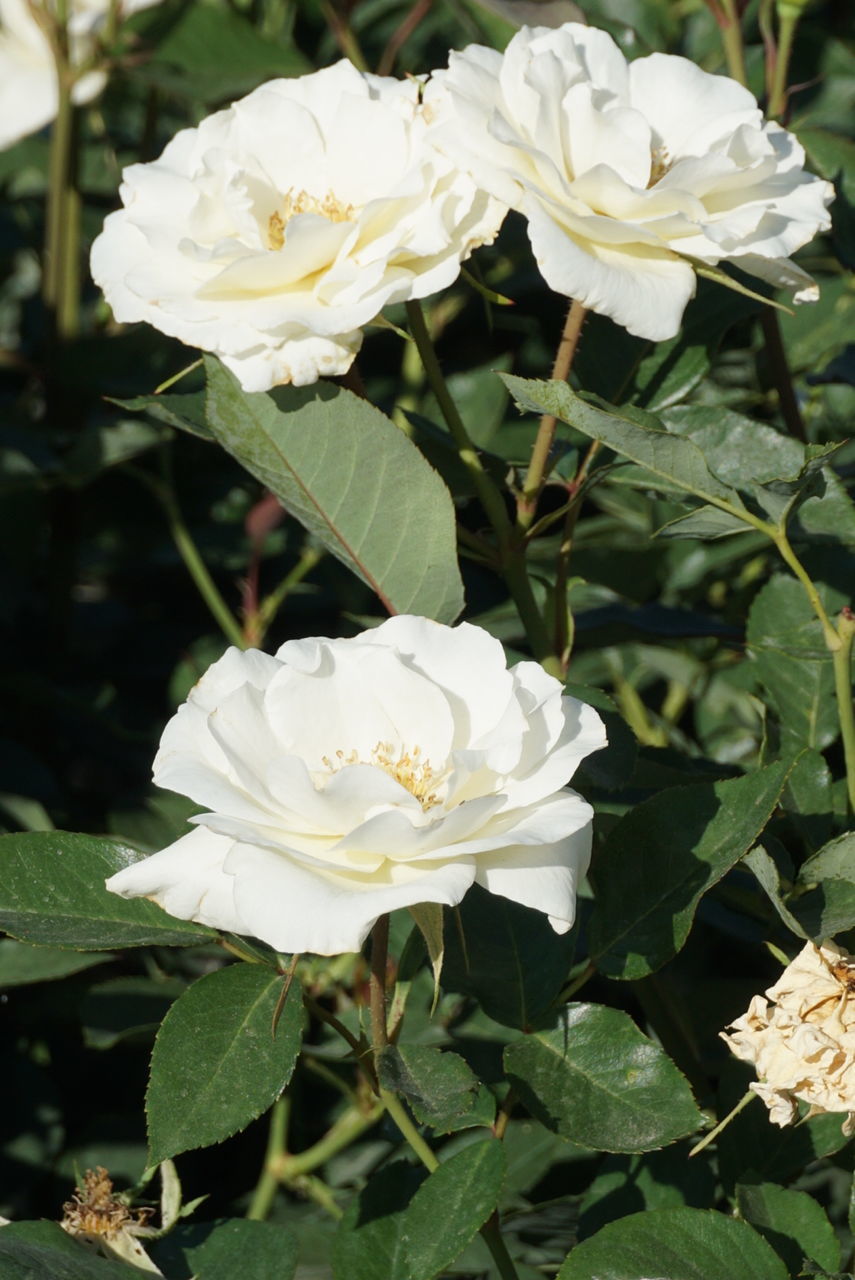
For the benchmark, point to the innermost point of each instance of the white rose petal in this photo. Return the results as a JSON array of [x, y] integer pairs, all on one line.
[[625, 171], [346, 778], [28, 88], [279, 228], [801, 1036]]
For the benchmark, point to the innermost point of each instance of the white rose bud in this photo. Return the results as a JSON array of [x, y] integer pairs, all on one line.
[[801, 1036], [626, 170], [346, 778]]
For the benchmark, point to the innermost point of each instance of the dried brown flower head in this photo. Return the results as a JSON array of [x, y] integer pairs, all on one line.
[[801, 1036]]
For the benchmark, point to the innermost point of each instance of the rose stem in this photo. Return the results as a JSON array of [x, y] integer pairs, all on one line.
[[379, 962], [511, 552], [562, 570], [722, 1124], [731, 38], [189, 552], [842, 659], [538, 468], [788, 19], [401, 35], [781, 376], [395, 1109]]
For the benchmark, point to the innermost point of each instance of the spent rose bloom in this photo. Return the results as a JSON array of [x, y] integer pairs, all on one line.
[[346, 778], [625, 170], [801, 1036], [277, 229], [28, 85]]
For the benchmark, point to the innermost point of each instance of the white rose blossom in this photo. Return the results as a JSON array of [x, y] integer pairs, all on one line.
[[625, 171], [800, 1036], [346, 778], [28, 83], [277, 229]]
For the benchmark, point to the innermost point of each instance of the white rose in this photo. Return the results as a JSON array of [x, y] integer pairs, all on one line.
[[624, 170], [28, 86], [801, 1036], [273, 232], [346, 778]]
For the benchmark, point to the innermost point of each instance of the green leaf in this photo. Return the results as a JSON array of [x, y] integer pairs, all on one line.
[[672, 459], [208, 52], [596, 1080], [663, 856], [352, 479], [389, 1233], [707, 523], [828, 907], [52, 893], [216, 1064], [505, 955], [185, 411], [763, 866], [439, 1087], [428, 917], [656, 1180], [21, 963], [227, 1248], [43, 1251], [126, 1008], [674, 1244], [786, 641], [792, 1222]]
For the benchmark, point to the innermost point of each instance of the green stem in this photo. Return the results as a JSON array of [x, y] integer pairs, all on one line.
[[722, 1124], [272, 603], [512, 556], [350, 1125], [189, 552], [492, 1235], [408, 1130], [379, 962], [731, 38], [842, 659], [788, 20], [782, 542], [776, 356], [59, 181], [538, 468], [268, 1183]]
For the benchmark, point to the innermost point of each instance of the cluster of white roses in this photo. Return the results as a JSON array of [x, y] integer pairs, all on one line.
[[278, 229]]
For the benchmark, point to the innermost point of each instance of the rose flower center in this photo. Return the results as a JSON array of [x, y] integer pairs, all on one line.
[[328, 206], [409, 769], [660, 163]]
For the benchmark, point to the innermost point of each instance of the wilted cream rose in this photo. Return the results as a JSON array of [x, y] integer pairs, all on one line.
[[279, 228], [346, 778], [801, 1036], [28, 85], [626, 172]]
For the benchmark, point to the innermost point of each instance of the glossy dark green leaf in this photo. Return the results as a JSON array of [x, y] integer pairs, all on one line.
[[184, 410], [505, 955], [216, 1063], [656, 1180], [828, 906], [126, 1008], [393, 1231], [438, 1086], [792, 1222], [342, 469], [227, 1248], [596, 1080], [21, 963], [763, 866], [786, 641], [43, 1251], [663, 856], [674, 1244], [673, 459], [52, 893]]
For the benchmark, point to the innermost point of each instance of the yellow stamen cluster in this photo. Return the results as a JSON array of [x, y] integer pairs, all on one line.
[[328, 206], [409, 769], [660, 163], [93, 1210]]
